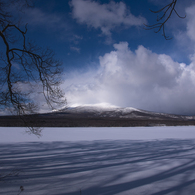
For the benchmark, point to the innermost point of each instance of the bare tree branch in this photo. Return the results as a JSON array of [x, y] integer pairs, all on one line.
[[161, 21], [35, 66]]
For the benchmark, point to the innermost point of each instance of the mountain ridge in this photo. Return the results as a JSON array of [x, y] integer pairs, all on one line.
[[117, 112], [97, 116]]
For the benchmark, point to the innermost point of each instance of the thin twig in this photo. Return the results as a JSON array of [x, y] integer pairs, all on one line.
[[168, 9]]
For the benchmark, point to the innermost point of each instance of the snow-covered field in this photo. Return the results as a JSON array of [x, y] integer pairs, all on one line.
[[98, 161]]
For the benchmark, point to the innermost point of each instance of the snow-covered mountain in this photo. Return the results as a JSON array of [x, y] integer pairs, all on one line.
[[110, 111], [101, 115]]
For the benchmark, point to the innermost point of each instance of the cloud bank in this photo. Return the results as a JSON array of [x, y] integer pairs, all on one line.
[[140, 79], [104, 16]]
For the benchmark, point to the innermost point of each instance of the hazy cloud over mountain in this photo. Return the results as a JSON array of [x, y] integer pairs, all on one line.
[[139, 78]]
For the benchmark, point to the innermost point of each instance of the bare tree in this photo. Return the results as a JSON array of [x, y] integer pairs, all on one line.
[[24, 66], [166, 13]]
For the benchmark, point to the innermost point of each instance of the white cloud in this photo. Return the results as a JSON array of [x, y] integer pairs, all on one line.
[[104, 16], [140, 79], [184, 31], [191, 22], [38, 17]]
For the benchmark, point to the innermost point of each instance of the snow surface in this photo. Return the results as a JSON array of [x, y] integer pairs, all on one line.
[[18, 134], [98, 161]]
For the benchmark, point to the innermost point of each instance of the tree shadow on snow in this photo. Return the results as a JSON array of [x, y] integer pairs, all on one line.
[[100, 167]]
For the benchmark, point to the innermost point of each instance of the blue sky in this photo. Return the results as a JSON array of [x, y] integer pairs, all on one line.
[[108, 57], [75, 41]]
